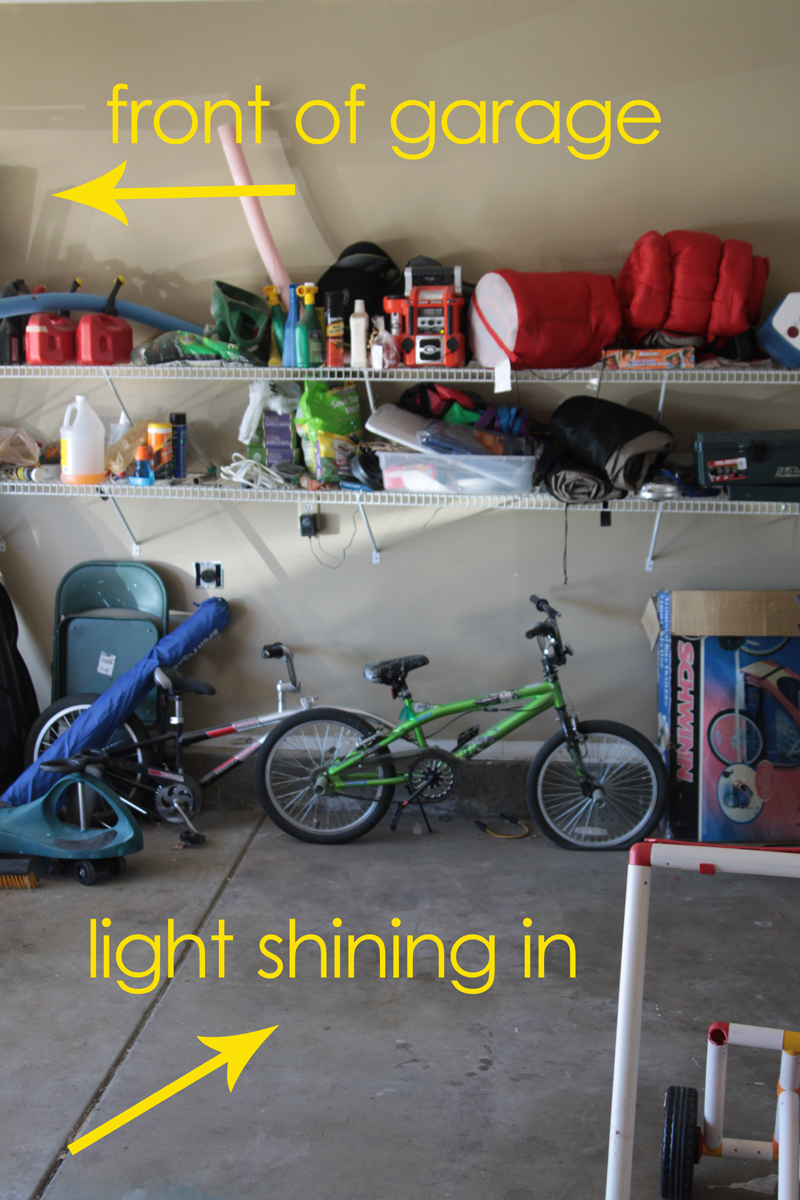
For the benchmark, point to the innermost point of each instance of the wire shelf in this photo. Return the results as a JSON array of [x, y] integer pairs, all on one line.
[[527, 502], [241, 372]]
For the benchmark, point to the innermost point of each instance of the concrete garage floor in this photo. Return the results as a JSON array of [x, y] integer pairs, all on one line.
[[375, 1089]]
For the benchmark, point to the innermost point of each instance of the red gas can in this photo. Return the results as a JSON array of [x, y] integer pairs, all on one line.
[[102, 340], [50, 340]]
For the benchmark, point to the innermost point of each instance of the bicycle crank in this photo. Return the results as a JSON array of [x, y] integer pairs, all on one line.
[[174, 802], [432, 776]]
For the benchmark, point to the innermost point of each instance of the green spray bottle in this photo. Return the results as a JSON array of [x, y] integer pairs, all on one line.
[[308, 335], [278, 320]]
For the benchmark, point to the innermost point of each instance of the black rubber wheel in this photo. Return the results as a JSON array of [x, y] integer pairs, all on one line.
[[288, 762], [84, 871], [629, 800], [60, 715], [117, 866], [681, 1146]]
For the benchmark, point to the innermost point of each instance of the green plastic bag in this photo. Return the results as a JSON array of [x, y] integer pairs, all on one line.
[[241, 317], [329, 423]]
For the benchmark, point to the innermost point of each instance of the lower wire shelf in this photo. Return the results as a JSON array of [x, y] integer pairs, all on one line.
[[529, 501]]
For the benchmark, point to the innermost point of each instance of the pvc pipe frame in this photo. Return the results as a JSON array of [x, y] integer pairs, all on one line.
[[254, 213], [686, 856]]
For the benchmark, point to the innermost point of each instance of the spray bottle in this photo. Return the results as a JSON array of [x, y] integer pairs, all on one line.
[[278, 319], [308, 337], [289, 328]]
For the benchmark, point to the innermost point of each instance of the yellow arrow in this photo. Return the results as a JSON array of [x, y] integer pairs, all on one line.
[[236, 1051], [102, 193]]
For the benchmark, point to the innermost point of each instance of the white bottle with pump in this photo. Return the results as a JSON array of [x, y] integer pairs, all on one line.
[[83, 440], [359, 323]]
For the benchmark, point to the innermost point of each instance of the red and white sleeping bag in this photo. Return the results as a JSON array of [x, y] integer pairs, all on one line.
[[540, 320]]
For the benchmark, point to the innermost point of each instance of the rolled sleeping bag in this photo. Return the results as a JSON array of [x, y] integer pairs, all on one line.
[[540, 320], [620, 442], [17, 306], [574, 483]]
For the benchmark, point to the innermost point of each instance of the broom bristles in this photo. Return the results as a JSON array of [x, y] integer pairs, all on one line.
[[19, 881]]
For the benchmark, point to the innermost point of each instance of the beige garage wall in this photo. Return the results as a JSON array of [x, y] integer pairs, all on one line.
[[724, 77]]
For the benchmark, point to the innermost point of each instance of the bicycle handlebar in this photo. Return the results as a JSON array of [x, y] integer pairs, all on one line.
[[278, 650], [539, 630], [544, 606]]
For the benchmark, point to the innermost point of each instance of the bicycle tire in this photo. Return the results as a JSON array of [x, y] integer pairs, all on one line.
[[635, 782], [296, 748], [62, 713]]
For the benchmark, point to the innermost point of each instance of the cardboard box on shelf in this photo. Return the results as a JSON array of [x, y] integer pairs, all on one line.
[[729, 712], [675, 358]]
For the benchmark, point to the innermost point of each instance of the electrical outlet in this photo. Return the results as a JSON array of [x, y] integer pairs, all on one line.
[[308, 524], [208, 574]]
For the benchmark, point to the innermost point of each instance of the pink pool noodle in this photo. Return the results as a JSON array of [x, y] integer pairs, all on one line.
[[255, 215]]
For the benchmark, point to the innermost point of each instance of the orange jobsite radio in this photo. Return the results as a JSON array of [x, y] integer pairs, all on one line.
[[427, 321], [104, 338]]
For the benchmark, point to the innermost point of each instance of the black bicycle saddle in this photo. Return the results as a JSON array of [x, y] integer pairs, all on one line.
[[182, 683], [393, 671]]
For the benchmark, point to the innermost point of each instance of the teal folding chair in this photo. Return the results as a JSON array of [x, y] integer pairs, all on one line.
[[108, 616]]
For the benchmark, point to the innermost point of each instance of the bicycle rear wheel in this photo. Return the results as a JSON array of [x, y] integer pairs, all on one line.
[[628, 797], [289, 762]]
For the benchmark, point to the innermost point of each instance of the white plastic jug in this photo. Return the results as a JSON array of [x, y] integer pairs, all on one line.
[[83, 439]]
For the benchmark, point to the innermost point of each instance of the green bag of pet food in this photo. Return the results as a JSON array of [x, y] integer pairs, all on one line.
[[328, 420]]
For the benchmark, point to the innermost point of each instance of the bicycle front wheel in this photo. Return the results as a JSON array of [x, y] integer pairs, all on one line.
[[627, 796], [288, 766]]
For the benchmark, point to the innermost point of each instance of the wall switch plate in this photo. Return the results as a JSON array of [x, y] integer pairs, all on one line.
[[208, 574]]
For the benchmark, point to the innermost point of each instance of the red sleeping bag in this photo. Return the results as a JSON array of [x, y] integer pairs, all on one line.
[[692, 284], [542, 320]]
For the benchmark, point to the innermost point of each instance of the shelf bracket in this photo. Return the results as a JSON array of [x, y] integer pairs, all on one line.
[[125, 418], [661, 396], [376, 554], [648, 566], [371, 400], [136, 549]]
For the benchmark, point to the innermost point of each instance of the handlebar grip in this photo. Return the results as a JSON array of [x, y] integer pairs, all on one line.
[[541, 604], [538, 630], [275, 650]]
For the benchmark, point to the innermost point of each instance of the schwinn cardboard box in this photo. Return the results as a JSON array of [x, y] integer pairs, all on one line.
[[729, 713]]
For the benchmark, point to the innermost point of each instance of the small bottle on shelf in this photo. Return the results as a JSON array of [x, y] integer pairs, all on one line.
[[359, 323]]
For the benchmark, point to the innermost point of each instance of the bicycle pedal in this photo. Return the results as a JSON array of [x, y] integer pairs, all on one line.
[[190, 838]]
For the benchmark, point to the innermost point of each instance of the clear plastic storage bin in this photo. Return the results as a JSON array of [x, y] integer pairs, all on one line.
[[456, 472]]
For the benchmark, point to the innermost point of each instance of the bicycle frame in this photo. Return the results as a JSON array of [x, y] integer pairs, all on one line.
[[540, 697], [264, 722]]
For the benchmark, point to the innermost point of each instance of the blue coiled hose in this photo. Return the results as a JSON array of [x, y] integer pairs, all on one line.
[[18, 306]]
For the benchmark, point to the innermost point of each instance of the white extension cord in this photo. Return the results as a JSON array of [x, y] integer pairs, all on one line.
[[248, 473]]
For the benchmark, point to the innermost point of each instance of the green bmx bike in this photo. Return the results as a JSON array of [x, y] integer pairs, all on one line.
[[324, 775]]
